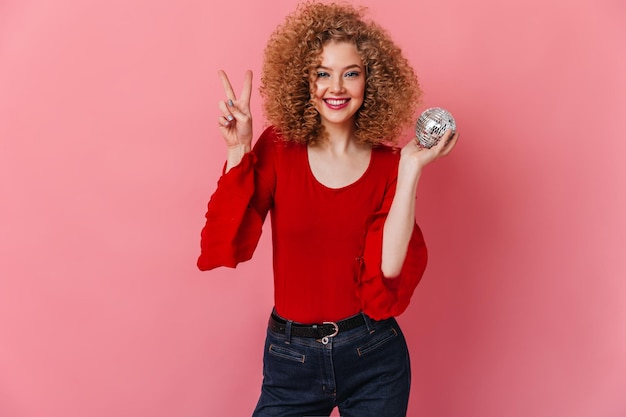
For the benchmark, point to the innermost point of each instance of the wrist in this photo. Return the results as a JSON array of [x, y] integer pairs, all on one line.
[[235, 154], [409, 172], [239, 149]]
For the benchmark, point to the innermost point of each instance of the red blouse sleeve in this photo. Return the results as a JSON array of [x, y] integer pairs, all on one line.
[[235, 215], [383, 297]]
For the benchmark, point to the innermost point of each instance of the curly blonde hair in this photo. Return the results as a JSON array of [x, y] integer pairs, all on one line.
[[293, 53]]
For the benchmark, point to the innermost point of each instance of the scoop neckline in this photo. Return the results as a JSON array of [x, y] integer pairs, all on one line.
[[344, 187]]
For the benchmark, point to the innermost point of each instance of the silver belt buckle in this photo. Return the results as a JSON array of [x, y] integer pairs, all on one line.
[[326, 339]]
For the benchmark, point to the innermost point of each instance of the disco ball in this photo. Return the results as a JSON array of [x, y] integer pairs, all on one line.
[[432, 124]]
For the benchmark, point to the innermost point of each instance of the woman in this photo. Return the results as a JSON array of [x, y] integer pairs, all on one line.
[[347, 251]]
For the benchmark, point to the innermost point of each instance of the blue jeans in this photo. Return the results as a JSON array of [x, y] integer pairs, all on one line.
[[364, 372]]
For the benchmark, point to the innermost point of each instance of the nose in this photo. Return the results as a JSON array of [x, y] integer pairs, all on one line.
[[336, 85]]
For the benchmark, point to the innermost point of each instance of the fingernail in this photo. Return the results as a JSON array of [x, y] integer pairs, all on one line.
[[230, 118], [230, 102]]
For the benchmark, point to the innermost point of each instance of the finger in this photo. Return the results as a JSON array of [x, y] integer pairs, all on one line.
[[452, 139], [444, 140], [223, 122], [447, 135], [228, 88], [246, 91], [450, 143], [227, 110]]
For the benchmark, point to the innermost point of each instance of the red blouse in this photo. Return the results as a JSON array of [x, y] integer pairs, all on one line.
[[327, 242]]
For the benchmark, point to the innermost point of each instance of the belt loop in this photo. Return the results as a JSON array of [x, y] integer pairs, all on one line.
[[368, 323], [288, 331]]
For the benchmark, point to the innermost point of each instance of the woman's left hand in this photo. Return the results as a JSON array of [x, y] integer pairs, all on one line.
[[414, 157]]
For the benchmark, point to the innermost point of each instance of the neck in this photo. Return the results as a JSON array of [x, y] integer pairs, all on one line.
[[339, 139]]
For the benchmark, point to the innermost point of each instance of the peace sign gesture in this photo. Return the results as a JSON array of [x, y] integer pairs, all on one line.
[[236, 120]]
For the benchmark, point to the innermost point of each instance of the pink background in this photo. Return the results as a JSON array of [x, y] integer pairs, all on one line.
[[109, 151]]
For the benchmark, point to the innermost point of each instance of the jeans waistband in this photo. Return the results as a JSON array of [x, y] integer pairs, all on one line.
[[318, 331]]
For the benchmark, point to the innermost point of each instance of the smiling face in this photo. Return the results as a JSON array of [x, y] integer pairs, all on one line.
[[339, 84]]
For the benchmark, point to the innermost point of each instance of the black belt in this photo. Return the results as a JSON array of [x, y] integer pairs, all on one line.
[[317, 331]]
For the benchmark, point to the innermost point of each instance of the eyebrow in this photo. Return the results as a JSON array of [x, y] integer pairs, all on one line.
[[343, 69]]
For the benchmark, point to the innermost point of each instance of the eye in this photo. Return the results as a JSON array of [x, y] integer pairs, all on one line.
[[352, 74], [322, 74]]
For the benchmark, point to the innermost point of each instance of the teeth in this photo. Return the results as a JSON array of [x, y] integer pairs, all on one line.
[[336, 102]]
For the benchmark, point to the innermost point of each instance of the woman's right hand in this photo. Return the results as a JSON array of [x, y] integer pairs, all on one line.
[[236, 120]]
